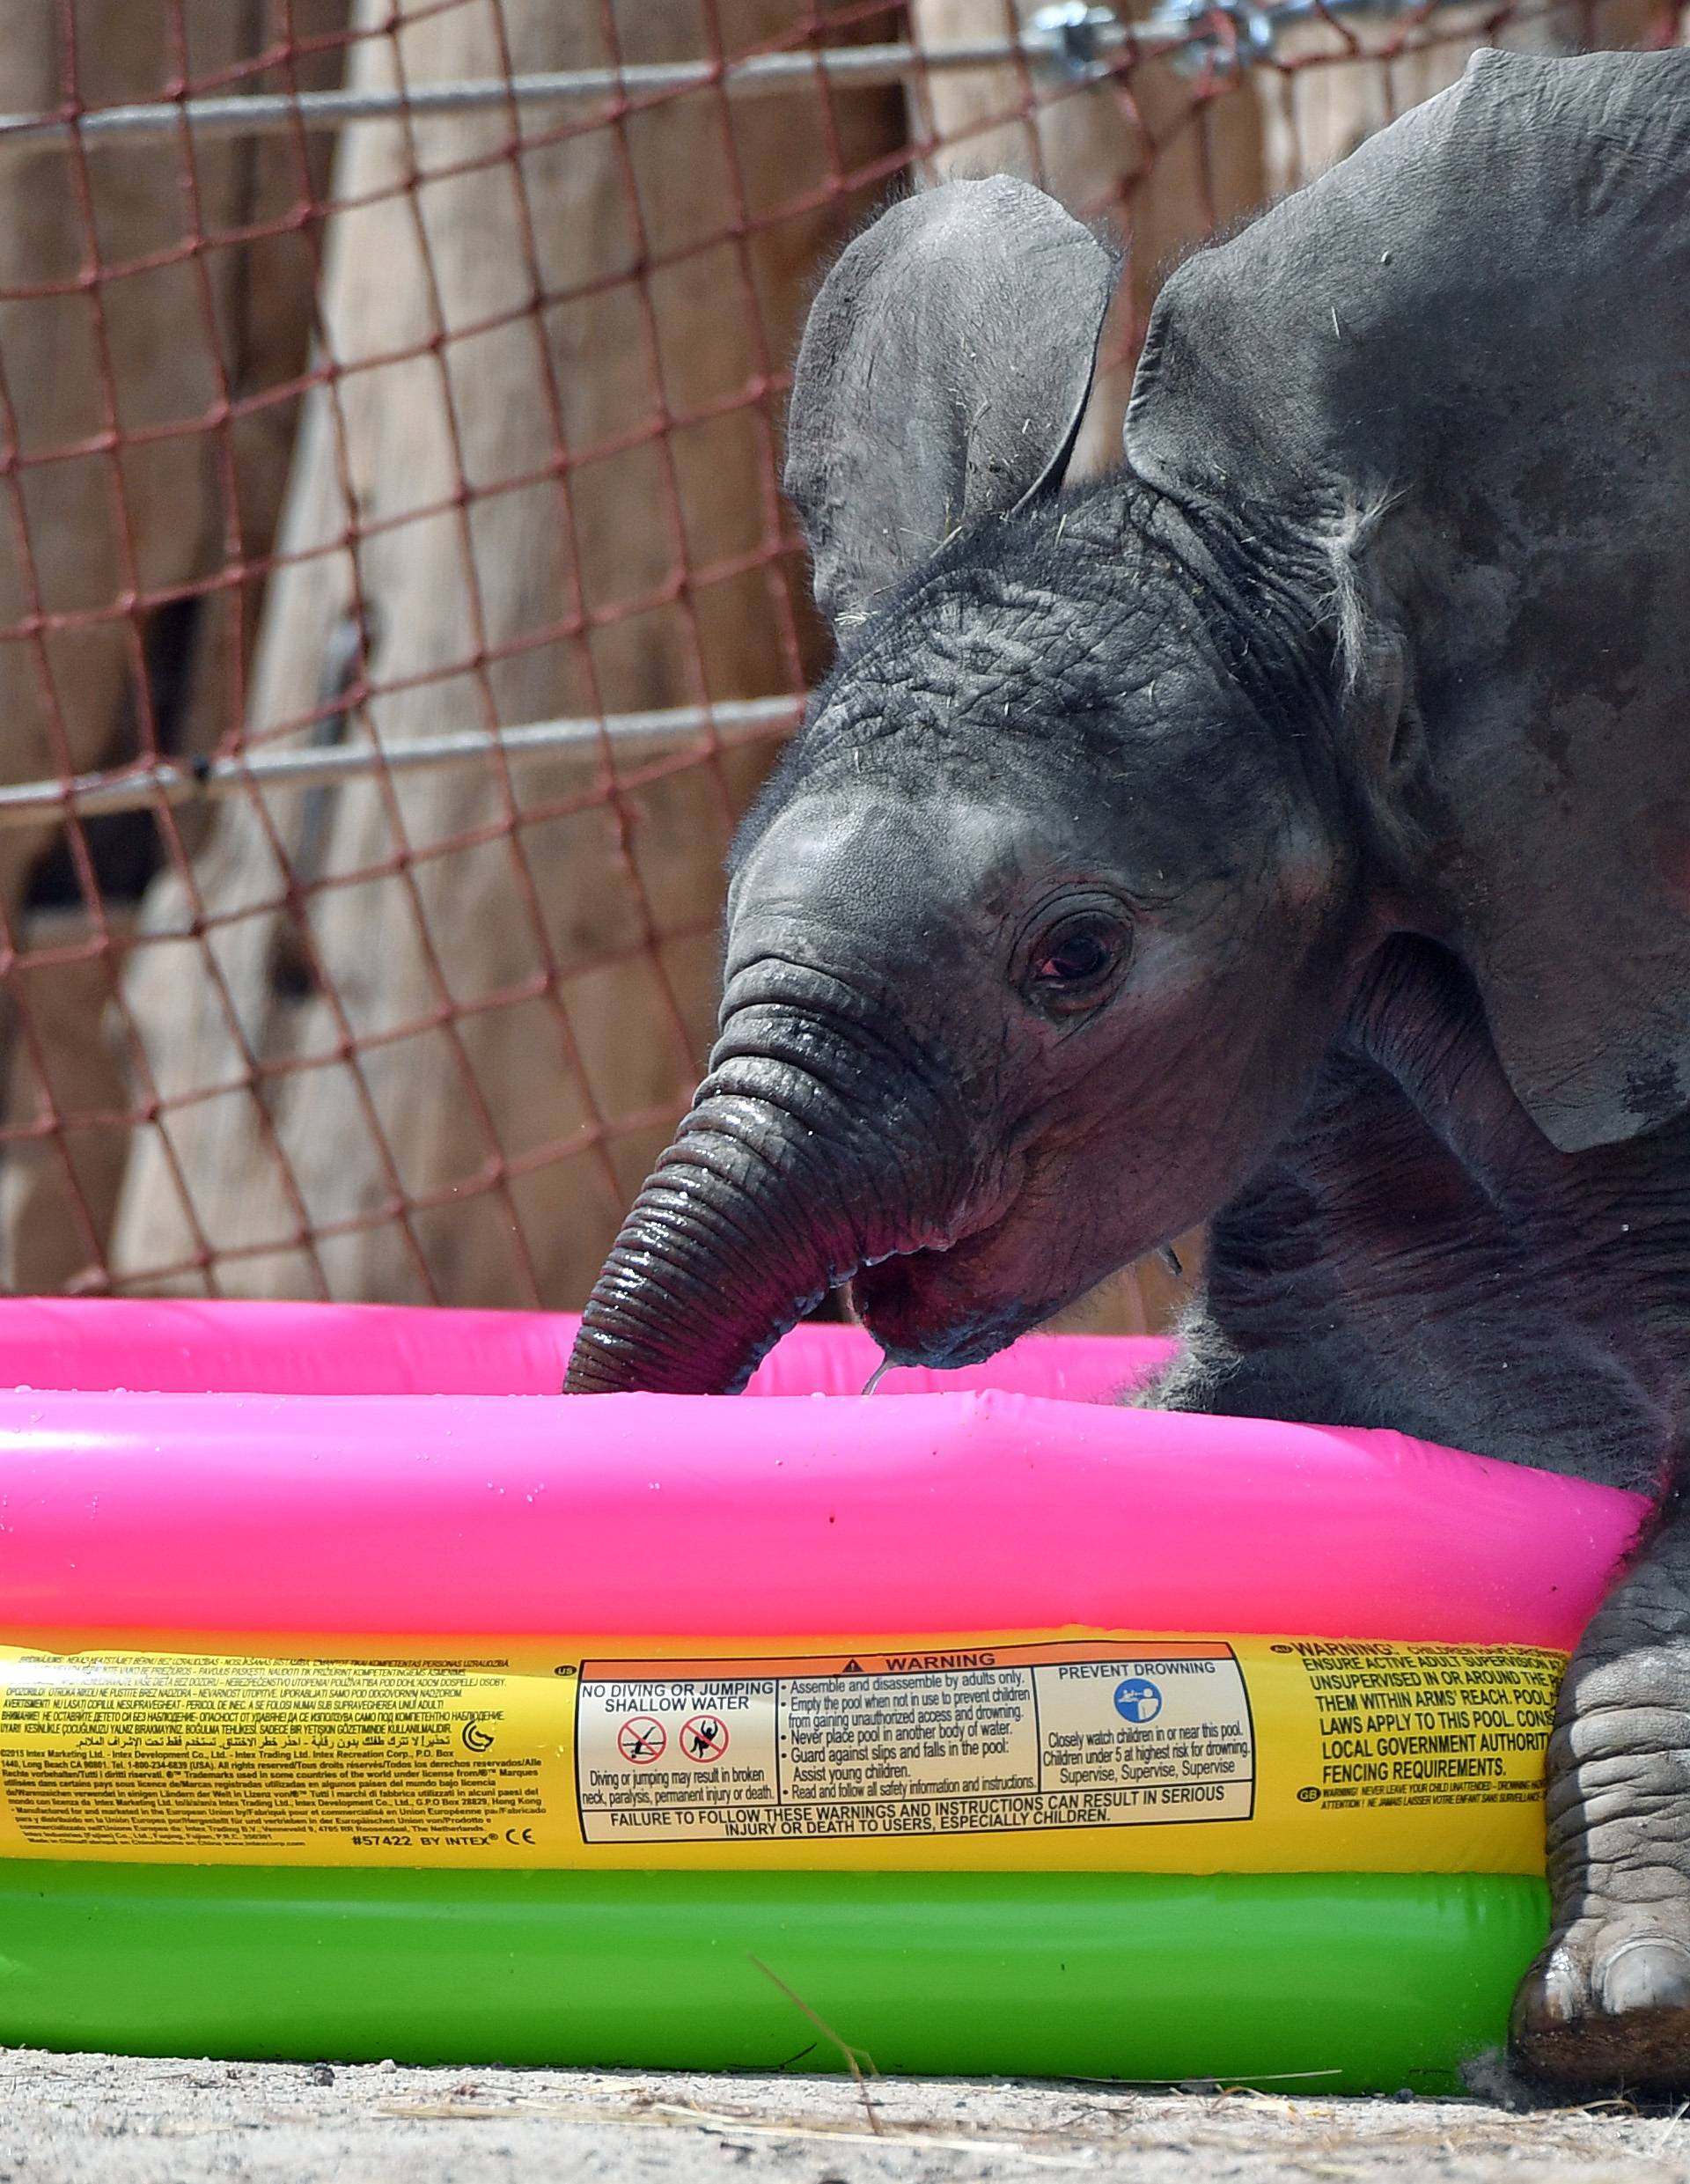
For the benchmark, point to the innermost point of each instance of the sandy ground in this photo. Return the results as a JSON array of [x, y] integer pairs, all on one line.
[[94, 2120]]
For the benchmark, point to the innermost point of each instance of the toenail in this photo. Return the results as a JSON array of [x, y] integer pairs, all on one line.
[[1650, 1972], [1552, 1999]]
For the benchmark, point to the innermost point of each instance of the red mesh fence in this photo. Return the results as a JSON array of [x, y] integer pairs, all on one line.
[[397, 604]]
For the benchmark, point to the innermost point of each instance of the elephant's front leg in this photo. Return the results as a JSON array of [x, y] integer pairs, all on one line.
[[1608, 2001]]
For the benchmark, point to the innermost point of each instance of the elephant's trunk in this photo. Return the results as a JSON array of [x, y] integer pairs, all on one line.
[[774, 1191]]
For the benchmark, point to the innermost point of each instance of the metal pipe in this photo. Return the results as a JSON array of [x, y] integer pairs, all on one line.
[[144, 788], [1072, 42], [844, 67]]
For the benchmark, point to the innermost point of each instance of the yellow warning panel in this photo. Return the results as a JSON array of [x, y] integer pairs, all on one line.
[[989, 1740], [1069, 1752]]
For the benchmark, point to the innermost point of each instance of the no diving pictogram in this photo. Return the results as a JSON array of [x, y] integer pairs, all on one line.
[[705, 1738], [641, 1740]]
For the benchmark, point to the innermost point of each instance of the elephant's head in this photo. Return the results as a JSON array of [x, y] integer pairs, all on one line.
[[1041, 933], [1038, 935]]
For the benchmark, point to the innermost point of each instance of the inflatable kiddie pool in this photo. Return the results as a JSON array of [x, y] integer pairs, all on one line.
[[359, 1697]]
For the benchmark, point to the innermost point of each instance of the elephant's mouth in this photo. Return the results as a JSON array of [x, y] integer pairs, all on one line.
[[911, 1307], [1015, 1265], [954, 1303]]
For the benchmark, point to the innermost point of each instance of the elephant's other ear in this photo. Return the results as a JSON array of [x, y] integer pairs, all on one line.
[[1482, 317], [943, 376]]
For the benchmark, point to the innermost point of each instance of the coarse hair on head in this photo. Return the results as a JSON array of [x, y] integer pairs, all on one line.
[[1348, 606]]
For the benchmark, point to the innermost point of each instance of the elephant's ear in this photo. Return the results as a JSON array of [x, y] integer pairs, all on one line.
[[943, 376], [1480, 321]]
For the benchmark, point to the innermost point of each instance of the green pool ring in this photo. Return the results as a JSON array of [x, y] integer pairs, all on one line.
[[1334, 1983]]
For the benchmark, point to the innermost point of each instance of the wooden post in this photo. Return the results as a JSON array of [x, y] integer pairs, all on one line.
[[83, 532], [452, 1056]]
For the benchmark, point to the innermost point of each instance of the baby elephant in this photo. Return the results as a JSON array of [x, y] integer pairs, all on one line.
[[1291, 831]]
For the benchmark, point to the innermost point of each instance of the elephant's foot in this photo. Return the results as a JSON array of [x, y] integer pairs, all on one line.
[[1607, 2004]]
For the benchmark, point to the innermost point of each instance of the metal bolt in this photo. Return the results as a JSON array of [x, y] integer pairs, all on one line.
[[1074, 38]]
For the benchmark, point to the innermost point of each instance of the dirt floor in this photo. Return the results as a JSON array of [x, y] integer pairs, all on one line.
[[93, 2120]]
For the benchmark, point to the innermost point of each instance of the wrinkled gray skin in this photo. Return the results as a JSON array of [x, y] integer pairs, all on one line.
[[1293, 830]]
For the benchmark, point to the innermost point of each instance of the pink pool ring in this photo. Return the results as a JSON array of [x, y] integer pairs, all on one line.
[[201, 1467]]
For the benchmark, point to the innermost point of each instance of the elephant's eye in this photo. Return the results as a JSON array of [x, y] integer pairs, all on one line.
[[1071, 964]]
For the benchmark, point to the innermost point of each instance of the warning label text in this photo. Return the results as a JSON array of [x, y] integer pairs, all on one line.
[[918, 1744]]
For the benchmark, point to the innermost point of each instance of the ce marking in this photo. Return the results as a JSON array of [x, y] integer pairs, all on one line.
[[522, 1837]]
